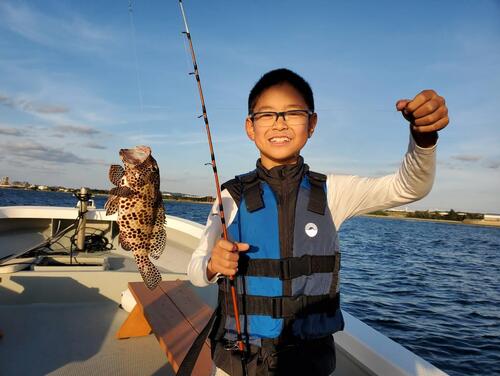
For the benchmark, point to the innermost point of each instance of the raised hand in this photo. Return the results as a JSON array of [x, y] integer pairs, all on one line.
[[427, 114]]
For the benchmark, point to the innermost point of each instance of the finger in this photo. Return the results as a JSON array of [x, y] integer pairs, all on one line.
[[225, 244], [420, 99], [427, 108], [430, 119], [433, 117], [440, 124], [228, 271], [231, 256], [243, 246], [224, 255], [221, 265], [229, 265], [401, 104]]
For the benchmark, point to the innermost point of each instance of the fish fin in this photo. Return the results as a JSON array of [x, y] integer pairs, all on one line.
[[115, 174], [123, 242], [122, 191], [112, 205], [158, 243], [159, 239], [150, 274]]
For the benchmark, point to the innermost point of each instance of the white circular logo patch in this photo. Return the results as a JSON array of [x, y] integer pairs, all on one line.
[[311, 230]]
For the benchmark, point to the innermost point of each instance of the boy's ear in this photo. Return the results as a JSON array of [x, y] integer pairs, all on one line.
[[249, 129], [313, 120]]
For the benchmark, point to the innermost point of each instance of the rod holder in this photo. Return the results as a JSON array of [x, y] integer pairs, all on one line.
[[83, 199]]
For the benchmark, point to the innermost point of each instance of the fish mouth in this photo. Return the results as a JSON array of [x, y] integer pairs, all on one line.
[[136, 155]]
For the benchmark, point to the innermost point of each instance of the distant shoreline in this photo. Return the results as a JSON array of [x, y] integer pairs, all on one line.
[[187, 200], [470, 222], [100, 194]]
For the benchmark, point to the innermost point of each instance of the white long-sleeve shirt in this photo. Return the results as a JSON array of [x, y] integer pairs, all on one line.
[[347, 196]]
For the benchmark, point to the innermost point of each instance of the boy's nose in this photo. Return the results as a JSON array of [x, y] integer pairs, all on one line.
[[280, 123]]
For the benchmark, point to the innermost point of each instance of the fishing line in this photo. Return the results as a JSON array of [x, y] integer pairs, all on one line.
[[136, 58], [186, 55]]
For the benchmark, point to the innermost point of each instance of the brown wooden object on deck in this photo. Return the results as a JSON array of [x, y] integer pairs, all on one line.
[[176, 315], [135, 325]]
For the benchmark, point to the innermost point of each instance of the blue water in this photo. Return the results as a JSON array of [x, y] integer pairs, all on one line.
[[432, 287]]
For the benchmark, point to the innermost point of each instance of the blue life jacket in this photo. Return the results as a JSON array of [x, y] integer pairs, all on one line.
[[294, 294]]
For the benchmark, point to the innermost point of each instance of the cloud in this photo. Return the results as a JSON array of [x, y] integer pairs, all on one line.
[[466, 157], [495, 165], [33, 151], [61, 31], [183, 139], [93, 145], [76, 129], [449, 165], [10, 131], [31, 106]]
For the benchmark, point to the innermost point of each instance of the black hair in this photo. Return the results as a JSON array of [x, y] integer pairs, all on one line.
[[280, 76]]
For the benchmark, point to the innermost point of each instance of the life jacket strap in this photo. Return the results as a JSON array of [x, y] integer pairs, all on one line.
[[317, 197], [252, 191], [288, 268], [335, 277], [248, 186], [292, 307]]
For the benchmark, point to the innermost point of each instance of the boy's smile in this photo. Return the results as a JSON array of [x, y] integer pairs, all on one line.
[[280, 143]]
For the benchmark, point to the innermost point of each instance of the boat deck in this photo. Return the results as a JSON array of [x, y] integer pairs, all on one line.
[[79, 339], [74, 339]]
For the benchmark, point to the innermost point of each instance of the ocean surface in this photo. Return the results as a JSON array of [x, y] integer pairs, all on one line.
[[432, 287]]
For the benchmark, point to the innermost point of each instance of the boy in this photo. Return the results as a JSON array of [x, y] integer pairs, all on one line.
[[283, 220]]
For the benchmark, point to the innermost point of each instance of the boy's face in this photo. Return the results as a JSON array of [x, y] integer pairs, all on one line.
[[280, 143]]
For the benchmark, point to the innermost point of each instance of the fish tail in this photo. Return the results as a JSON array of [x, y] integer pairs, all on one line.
[[150, 274]]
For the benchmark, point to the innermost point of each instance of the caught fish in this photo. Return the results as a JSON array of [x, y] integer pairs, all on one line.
[[141, 214]]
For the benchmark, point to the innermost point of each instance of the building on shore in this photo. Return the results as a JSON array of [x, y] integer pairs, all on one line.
[[492, 217]]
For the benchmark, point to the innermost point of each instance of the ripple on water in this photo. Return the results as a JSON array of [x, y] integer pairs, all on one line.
[[432, 287]]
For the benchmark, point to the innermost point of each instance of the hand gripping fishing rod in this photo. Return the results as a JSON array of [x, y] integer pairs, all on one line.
[[240, 343]]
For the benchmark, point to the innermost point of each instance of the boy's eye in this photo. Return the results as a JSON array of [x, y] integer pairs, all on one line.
[[291, 115], [266, 116]]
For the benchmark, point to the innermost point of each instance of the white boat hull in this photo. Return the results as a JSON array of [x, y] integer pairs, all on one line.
[[63, 322]]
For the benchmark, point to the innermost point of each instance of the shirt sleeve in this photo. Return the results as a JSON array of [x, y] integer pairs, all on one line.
[[350, 195], [197, 268]]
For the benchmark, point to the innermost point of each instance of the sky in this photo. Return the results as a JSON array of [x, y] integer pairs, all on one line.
[[80, 80]]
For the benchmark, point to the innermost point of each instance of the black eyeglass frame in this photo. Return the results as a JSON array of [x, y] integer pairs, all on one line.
[[278, 114]]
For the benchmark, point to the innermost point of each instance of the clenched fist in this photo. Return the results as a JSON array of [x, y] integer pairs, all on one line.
[[427, 114], [224, 259]]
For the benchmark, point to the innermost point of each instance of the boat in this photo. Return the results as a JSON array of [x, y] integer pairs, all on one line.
[[60, 306]]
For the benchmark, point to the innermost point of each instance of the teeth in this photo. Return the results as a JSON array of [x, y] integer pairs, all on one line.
[[279, 139]]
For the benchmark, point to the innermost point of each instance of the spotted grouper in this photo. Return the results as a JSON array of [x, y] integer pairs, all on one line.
[[141, 214]]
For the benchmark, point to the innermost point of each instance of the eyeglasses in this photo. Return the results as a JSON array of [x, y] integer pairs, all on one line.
[[269, 118]]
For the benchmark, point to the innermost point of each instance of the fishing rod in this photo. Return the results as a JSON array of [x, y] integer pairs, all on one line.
[[239, 342]]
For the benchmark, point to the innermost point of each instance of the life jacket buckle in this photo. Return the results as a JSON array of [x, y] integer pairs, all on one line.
[[230, 345]]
